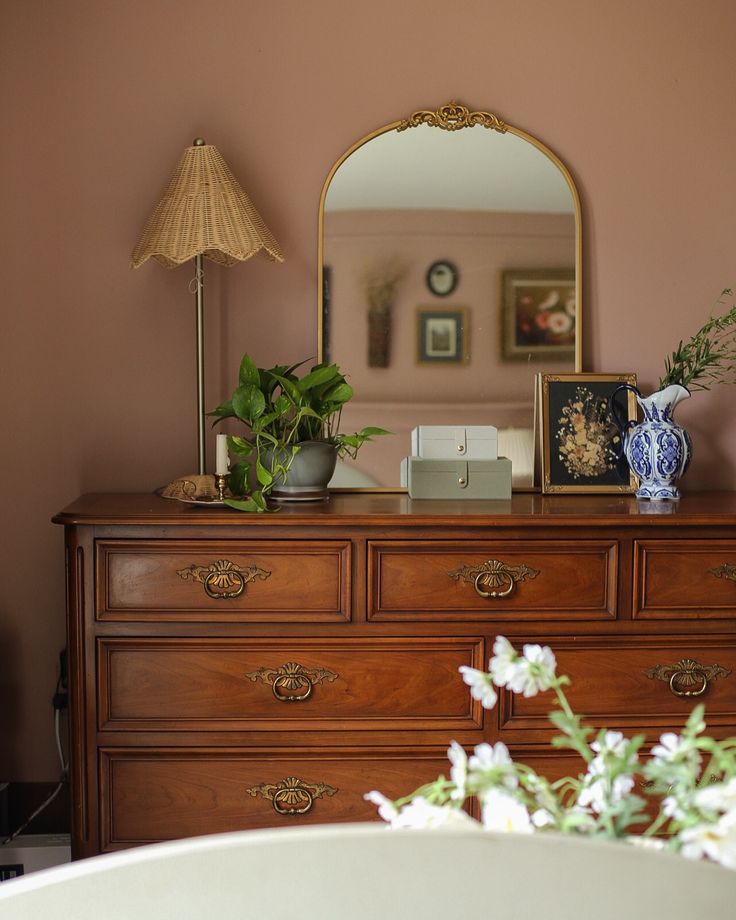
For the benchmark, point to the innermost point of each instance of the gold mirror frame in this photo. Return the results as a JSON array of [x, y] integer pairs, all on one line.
[[454, 117]]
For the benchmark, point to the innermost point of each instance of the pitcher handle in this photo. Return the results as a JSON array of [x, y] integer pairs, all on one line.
[[622, 425]]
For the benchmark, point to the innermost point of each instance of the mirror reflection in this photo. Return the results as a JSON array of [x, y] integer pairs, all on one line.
[[450, 276]]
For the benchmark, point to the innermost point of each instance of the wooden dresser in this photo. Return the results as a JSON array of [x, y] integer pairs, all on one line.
[[237, 671]]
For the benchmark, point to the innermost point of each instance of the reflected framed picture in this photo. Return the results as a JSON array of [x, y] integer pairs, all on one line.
[[538, 314], [579, 438], [443, 336]]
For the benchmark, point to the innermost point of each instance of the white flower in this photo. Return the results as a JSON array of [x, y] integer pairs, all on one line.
[[542, 818], [646, 843], [559, 323], [459, 769], [494, 760], [501, 812], [480, 685], [504, 662], [717, 797], [713, 841], [600, 789], [420, 813], [670, 745], [672, 808], [529, 674], [611, 743], [386, 808]]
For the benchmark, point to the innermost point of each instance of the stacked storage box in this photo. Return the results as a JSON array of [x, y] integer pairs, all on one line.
[[463, 462]]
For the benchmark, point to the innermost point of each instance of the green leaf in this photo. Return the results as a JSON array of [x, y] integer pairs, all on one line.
[[371, 432], [340, 394], [244, 504], [320, 375], [238, 445], [224, 410], [248, 402], [264, 477], [238, 479], [249, 372]]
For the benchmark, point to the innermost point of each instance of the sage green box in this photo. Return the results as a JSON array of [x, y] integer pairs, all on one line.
[[458, 478]]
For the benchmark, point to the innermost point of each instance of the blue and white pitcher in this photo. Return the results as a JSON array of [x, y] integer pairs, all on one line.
[[658, 450]]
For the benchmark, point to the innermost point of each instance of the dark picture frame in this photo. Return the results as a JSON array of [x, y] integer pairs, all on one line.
[[580, 444], [538, 314], [442, 278], [443, 336]]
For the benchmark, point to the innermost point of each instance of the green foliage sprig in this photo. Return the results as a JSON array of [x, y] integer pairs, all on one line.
[[281, 410], [709, 357]]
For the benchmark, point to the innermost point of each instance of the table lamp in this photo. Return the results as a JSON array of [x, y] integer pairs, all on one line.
[[203, 213]]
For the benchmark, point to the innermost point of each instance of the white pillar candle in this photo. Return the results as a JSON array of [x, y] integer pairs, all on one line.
[[222, 463]]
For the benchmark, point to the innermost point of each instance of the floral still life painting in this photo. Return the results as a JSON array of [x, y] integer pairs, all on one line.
[[580, 439], [678, 796], [539, 314]]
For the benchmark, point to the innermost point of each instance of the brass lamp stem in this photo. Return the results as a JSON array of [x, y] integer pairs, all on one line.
[[199, 293]]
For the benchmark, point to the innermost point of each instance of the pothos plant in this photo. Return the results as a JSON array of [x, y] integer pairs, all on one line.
[[689, 779], [281, 410]]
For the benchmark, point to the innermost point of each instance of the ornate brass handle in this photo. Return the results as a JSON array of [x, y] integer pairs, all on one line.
[[292, 682], [223, 579], [494, 579], [501, 576], [292, 796], [727, 570], [687, 677]]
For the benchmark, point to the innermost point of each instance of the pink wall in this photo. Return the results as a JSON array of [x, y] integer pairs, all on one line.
[[100, 98]]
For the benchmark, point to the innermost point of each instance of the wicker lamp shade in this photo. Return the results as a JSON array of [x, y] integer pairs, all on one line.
[[204, 211]]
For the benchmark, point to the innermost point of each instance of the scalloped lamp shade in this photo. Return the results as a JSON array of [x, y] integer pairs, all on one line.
[[204, 211]]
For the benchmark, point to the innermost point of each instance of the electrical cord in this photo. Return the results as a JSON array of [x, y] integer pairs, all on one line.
[[59, 702]]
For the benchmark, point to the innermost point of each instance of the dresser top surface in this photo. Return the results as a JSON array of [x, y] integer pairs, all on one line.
[[369, 508]]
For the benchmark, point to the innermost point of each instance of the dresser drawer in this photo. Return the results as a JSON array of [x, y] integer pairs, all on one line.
[[693, 580], [147, 796], [636, 686], [524, 580], [397, 684], [253, 581]]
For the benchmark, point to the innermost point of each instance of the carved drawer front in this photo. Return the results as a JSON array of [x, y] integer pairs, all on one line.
[[397, 684], [524, 580], [147, 796], [254, 581], [693, 580], [636, 686]]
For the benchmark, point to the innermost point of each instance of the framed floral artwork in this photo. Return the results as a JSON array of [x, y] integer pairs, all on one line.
[[538, 314], [443, 336], [580, 442]]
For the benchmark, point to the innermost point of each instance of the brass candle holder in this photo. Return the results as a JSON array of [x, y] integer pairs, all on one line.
[[221, 484]]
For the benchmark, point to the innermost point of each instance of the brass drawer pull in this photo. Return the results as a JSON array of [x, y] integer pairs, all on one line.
[[291, 796], [727, 570], [223, 580], [494, 579], [688, 677], [292, 682]]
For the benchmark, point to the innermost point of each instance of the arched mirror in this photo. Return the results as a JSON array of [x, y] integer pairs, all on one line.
[[449, 275]]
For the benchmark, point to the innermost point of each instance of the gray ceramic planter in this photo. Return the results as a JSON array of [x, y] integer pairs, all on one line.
[[310, 471]]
